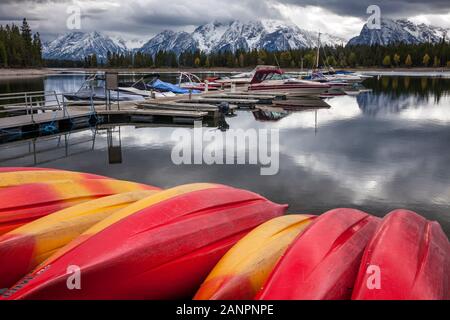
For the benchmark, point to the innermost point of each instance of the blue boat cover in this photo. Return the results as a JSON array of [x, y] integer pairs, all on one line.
[[165, 86]]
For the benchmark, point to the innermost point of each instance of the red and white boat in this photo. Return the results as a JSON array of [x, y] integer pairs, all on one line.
[[273, 80], [190, 81]]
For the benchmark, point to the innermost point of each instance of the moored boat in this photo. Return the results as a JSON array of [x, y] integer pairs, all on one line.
[[272, 79]]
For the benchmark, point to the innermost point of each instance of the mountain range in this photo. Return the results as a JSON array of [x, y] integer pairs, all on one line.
[[216, 36], [396, 31], [271, 35]]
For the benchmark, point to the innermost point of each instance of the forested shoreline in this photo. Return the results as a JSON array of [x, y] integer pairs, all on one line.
[[19, 46], [396, 55]]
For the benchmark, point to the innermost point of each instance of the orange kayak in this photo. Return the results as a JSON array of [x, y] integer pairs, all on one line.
[[25, 203], [23, 249], [241, 273], [21, 176]]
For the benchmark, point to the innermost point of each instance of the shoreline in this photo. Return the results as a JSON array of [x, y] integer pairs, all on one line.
[[39, 72]]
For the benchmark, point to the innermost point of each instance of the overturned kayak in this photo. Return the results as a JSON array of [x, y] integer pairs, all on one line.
[[23, 249], [20, 176], [161, 247], [407, 259], [25, 203], [323, 262], [15, 169], [240, 274]]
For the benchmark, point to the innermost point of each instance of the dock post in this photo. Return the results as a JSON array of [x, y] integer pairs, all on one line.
[[26, 103], [233, 87], [31, 110], [190, 94], [206, 86]]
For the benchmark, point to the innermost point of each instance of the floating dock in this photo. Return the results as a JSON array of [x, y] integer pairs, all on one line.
[[83, 116], [62, 115]]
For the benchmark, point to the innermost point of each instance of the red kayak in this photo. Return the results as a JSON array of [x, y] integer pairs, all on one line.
[[411, 258], [25, 203], [323, 262], [161, 247]]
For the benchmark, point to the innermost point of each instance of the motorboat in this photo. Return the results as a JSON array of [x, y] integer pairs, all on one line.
[[145, 87], [273, 80], [93, 89], [240, 78], [190, 81]]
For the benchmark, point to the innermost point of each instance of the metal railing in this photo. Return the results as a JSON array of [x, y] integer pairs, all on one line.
[[31, 102]]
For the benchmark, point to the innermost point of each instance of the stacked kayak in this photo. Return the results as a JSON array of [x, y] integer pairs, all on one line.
[[245, 268], [23, 203], [323, 262], [69, 235], [154, 244], [38, 240], [412, 257]]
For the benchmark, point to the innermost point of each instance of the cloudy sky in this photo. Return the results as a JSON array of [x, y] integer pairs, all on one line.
[[138, 19]]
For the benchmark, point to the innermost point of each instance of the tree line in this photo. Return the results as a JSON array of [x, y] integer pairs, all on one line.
[[395, 55], [19, 47]]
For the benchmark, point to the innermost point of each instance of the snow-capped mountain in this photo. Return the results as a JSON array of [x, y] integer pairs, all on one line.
[[396, 31], [78, 45], [129, 44], [271, 35], [177, 42], [216, 36]]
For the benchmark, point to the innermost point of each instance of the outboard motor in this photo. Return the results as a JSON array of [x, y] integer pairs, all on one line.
[[224, 108]]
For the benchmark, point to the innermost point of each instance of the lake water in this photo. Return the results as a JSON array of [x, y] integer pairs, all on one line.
[[381, 150]]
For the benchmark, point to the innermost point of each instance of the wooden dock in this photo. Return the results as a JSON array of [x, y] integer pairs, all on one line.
[[82, 116], [177, 110], [212, 111]]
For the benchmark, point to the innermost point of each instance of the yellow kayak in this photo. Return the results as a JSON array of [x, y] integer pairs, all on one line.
[[26, 247], [17, 178], [242, 272]]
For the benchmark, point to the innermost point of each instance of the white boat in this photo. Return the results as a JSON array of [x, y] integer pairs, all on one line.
[[272, 80], [146, 93], [190, 81]]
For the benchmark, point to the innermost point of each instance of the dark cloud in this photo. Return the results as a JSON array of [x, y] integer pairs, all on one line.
[[145, 18], [395, 8]]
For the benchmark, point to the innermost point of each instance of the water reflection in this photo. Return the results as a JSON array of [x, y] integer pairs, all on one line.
[[377, 152]]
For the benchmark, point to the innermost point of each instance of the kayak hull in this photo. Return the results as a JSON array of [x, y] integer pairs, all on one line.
[[178, 235], [22, 204], [424, 252], [241, 273], [23, 249], [323, 262]]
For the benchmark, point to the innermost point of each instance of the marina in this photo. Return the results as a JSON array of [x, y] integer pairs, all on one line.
[[65, 111]]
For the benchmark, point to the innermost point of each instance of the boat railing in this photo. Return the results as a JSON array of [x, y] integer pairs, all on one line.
[[32, 102]]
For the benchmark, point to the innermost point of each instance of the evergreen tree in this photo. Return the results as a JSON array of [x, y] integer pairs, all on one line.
[[426, 60], [396, 59], [408, 61], [387, 61]]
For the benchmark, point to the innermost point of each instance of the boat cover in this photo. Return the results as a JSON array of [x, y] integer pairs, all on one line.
[[165, 86]]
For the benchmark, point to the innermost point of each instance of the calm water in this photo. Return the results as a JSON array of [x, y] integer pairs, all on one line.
[[379, 151]]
